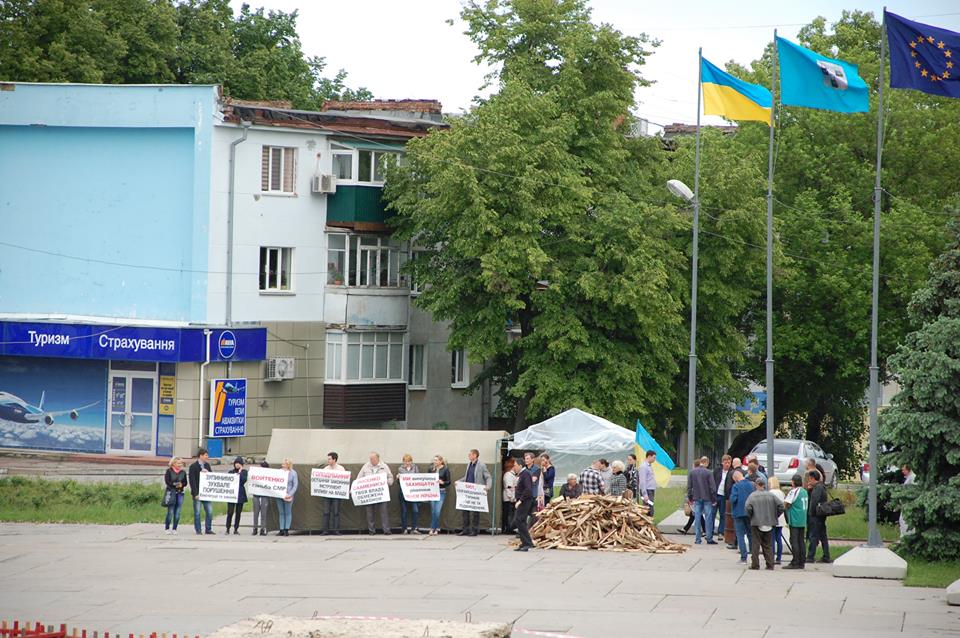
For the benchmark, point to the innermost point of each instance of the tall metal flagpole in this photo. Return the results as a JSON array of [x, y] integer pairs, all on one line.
[[692, 375], [773, 110], [873, 534]]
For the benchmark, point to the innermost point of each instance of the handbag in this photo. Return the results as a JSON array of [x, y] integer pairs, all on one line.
[[169, 497], [687, 508], [831, 508]]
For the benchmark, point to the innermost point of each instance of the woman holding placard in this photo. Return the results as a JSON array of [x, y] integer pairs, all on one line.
[[443, 472], [408, 467], [237, 508], [285, 504], [176, 479]]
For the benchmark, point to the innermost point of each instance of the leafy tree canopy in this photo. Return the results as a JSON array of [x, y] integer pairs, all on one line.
[[254, 55]]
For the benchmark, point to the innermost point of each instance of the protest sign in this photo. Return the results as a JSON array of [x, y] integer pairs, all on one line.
[[418, 488], [219, 486], [266, 481], [329, 483], [472, 497], [370, 489]]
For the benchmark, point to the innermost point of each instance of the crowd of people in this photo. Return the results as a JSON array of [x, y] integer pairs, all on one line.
[[178, 480], [760, 511]]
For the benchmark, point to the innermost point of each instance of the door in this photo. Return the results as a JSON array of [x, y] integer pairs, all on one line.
[[133, 412]]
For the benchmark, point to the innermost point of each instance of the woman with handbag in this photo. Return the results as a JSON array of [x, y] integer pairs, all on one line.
[[175, 478]]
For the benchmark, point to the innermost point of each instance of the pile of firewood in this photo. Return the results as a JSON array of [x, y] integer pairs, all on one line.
[[607, 523]]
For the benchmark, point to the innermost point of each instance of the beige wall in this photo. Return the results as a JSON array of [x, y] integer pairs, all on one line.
[[297, 403]]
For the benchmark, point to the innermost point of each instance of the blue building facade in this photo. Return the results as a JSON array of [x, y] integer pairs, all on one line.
[[105, 197], [104, 200]]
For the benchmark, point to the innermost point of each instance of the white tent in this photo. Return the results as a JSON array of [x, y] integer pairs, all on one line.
[[574, 439]]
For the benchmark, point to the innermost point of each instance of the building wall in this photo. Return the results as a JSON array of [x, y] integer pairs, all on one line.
[[440, 403], [297, 403], [111, 184], [260, 219]]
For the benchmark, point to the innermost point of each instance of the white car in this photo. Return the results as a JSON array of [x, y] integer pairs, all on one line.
[[789, 456]]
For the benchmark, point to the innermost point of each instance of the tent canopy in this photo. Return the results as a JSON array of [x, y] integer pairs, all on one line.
[[574, 439]]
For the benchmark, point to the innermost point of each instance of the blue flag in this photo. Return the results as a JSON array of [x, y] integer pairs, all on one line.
[[818, 82], [923, 57]]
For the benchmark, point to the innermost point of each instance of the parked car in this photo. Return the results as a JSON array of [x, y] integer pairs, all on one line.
[[889, 475], [789, 456]]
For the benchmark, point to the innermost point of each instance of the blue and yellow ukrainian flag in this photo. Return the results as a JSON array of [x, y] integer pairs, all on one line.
[[663, 465], [731, 97]]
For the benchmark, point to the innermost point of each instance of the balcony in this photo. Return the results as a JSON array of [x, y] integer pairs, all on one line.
[[359, 206]]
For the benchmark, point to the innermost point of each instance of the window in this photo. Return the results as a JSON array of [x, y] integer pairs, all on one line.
[[336, 259], [278, 169], [364, 260], [371, 356], [334, 354], [275, 266], [343, 165], [460, 370], [417, 377]]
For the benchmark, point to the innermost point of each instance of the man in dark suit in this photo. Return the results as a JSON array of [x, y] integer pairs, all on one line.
[[526, 498], [816, 524], [193, 477], [723, 475]]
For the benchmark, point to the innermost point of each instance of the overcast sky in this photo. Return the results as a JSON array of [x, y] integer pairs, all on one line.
[[404, 48]]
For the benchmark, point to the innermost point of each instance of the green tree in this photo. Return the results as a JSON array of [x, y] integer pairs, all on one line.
[[534, 206], [254, 55], [923, 424], [823, 219]]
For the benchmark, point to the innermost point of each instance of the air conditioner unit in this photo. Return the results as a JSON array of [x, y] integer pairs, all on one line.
[[323, 184], [280, 369]]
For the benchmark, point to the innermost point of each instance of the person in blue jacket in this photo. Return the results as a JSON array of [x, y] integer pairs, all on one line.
[[742, 488]]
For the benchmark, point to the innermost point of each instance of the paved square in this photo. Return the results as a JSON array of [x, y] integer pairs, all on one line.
[[136, 579]]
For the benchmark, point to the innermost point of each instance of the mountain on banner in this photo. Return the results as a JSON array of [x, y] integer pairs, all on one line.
[[731, 97], [923, 57], [818, 82]]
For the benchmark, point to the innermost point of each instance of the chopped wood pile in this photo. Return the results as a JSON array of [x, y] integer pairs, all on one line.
[[607, 523]]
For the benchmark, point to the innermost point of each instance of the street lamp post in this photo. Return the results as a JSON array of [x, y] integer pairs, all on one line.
[[683, 191]]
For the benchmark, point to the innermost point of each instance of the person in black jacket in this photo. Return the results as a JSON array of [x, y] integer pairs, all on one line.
[[816, 524], [175, 479], [443, 473], [198, 466], [526, 499], [241, 497]]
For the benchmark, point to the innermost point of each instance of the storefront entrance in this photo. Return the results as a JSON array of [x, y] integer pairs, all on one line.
[[132, 419]]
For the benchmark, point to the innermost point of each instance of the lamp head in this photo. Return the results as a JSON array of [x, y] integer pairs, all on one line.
[[680, 189]]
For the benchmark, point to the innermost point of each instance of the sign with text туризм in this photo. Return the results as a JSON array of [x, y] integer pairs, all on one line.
[[129, 343], [228, 407]]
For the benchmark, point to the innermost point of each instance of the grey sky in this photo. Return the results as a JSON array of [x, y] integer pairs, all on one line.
[[404, 48]]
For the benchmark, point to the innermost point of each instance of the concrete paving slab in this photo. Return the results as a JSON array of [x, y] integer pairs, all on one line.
[[586, 594]]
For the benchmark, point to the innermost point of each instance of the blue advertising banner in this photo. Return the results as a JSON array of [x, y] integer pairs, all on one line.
[[128, 343], [228, 407]]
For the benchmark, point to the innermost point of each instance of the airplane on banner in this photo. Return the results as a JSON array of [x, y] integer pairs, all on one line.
[[15, 409]]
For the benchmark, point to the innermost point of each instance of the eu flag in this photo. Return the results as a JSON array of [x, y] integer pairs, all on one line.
[[923, 57]]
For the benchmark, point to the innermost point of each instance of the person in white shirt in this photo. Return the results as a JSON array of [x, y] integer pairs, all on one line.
[[723, 475], [647, 481], [909, 478]]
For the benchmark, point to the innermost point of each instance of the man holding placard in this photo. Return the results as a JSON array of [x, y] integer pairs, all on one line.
[[332, 484], [193, 477], [372, 472], [477, 475]]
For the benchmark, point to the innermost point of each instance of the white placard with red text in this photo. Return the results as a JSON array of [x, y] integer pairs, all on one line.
[[329, 483], [267, 481], [370, 489], [420, 488], [472, 497]]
